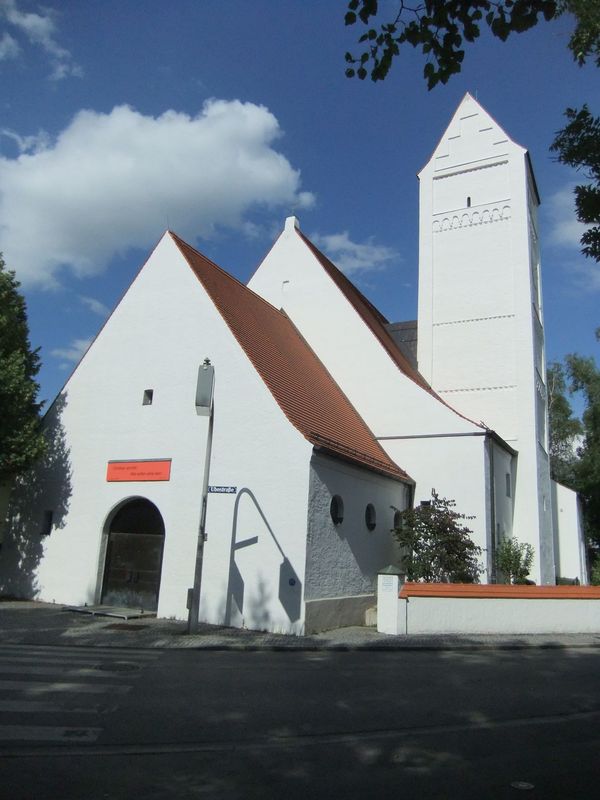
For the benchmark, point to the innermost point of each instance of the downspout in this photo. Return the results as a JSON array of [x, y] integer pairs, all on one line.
[[492, 542]]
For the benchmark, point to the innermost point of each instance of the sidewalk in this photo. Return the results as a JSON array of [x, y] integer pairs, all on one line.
[[32, 623]]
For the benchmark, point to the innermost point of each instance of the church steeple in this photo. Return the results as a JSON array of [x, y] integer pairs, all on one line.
[[480, 328]]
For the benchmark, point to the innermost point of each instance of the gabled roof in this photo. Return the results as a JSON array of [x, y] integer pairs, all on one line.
[[377, 323], [302, 387], [371, 316]]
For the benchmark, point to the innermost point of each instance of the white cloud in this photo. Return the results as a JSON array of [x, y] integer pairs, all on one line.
[[40, 30], [27, 144], [9, 47], [111, 181], [565, 228], [95, 306], [352, 257], [73, 352]]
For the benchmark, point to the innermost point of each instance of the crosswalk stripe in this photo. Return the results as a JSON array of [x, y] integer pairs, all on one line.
[[44, 706], [64, 670], [66, 651], [41, 687], [47, 733], [9, 659]]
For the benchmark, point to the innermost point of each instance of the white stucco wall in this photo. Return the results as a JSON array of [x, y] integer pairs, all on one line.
[[480, 324], [497, 616], [156, 338], [456, 468], [570, 553], [423, 436], [344, 559], [290, 277]]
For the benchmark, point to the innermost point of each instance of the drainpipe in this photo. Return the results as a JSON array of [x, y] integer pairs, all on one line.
[[492, 548]]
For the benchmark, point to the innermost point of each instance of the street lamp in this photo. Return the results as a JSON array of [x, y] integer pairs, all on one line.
[[205, 386]]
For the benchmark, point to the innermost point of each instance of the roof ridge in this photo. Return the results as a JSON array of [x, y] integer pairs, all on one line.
[[182, 243], [292, 372], [382, 334]]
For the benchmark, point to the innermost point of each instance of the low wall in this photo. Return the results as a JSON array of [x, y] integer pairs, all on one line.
[[496, 609], [336, 612]]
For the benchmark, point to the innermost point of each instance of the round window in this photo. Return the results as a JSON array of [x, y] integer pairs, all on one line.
[[336, 509], [370, 517]]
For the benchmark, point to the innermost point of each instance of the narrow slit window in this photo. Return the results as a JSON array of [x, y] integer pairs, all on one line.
[[148, 397], [336, 509], [468, 202], [370, 517], [508, 490]]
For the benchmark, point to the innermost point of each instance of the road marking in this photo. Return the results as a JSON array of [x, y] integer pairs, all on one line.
[[61, 651], [44, 706], [41, 687], [94, 672], [47, 733]]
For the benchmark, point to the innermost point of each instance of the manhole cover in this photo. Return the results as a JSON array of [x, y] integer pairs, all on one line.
[[118, 666]]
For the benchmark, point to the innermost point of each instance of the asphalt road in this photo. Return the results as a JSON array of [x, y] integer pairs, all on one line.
[[191, 724]]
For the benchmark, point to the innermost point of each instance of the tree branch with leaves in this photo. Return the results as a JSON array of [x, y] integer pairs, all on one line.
[[21, 438]]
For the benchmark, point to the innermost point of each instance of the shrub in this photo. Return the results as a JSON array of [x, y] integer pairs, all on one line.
[[436, 546], [514, 560]]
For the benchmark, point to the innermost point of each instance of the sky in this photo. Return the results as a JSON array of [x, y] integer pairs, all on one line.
[[122, 118]]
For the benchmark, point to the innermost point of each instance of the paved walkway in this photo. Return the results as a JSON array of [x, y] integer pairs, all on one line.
[[28, 622]]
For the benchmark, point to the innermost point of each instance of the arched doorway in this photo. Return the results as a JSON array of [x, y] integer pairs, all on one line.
[[134, 552]]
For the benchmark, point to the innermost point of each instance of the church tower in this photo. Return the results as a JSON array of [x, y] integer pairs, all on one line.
[[480, 325]]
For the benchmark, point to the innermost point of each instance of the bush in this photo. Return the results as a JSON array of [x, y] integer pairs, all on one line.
[[595, 572], [514, 560], [437, 547]]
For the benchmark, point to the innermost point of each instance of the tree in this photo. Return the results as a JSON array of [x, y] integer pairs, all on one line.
[[514, 560], [21, 438], [564, 428], [437, 547], [584, 377], [442, 27], [578, 145]]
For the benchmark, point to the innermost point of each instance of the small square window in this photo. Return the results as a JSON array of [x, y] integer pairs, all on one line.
[[148, 396]]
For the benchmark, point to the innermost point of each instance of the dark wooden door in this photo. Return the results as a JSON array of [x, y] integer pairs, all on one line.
[[134, 557]]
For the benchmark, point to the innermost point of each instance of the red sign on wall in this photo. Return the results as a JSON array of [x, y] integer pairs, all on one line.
[[157, 470]]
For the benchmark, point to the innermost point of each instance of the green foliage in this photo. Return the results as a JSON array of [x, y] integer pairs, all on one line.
[[514, 560], [575, 444], [585, 378], [437, 547], [440, 28], [595, 572], [578, 145], [21, 439], [564, 427]]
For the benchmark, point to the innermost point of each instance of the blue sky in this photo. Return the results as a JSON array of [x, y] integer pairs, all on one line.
[[218, 120]]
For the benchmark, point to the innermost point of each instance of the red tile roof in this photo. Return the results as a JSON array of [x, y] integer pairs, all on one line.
[[376, 322], [372, 317], [303, 388]]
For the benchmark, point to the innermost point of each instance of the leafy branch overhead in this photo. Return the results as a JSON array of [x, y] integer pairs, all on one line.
[[578, 146], [441, 28]]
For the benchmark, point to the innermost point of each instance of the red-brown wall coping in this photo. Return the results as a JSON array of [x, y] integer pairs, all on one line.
[[502, 591]]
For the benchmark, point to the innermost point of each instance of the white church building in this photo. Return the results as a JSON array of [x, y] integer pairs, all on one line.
[[327, 419]]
